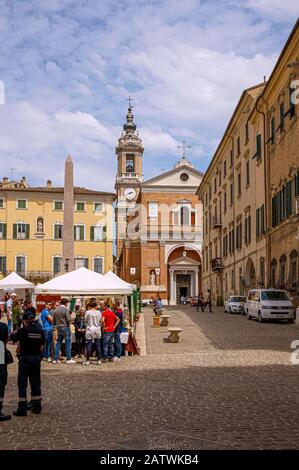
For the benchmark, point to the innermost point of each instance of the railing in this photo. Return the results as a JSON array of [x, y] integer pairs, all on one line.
[[216, 222], [217, 264]]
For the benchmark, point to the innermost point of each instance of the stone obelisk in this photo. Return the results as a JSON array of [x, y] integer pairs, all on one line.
[[68, 263]]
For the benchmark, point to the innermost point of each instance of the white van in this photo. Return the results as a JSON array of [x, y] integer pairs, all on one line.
[[269, 304]]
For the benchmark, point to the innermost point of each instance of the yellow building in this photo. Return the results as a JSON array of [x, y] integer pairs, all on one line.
[[31, 224]]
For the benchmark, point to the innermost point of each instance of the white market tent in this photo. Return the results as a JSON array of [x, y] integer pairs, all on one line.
[[13, 282], [83, 281], [113, 277]]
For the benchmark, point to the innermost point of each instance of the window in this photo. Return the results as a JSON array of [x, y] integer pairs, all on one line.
[[57, 232], [282, 272], [247, 173], [98, 207], [224, 201], [238, 146], [273, 131], [258, 147], [239, 236], [3, 231], [260, 221], [273, 272], [81, 263], [184, 219], [224, 168], [3, 264], [130, 167], [153, 210], [292, 102], [80, 206], [239, 184], [79, 232], [21, 231], [21, 204], [246, 132], [231, 193], [98, 265], [282, 203], [56, 265], [21, 265], [232, 279], [215, 185], [184, 177], [294, 271], [97, 233], [262, 272], [58, 205], [231, 156], [247, 234], [1, 203], [281, 116]]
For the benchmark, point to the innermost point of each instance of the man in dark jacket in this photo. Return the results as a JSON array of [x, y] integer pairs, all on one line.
[[31, 339], [3, 368]]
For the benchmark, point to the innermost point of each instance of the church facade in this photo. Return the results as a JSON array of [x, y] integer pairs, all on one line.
[[158, 224]]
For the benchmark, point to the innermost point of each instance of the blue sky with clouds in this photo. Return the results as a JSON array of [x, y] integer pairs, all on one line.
[[69, 65]]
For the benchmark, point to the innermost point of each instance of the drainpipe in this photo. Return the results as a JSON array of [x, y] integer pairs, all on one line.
[[234, 214]]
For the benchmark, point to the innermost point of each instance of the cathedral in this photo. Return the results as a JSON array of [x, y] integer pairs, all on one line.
[[158, 223]]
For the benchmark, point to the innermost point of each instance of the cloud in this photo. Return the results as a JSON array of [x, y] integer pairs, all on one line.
[[68, 68]]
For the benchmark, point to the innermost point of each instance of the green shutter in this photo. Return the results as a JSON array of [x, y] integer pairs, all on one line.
[[91, 233], [289, 199], [104, 232], [257, 222], [81, 232], [74, 232], [4, 232], [258, 146], [274, 211], [297, 184], [27, 231], [15, 231]]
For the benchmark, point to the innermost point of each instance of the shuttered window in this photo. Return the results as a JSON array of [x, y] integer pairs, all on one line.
[[258, 147], [272, 130], [21, 231], [3, 231], [57, 232], [292, 103], [79, 232], [281, 116]]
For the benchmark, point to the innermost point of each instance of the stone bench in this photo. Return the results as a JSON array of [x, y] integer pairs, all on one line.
[[174, 336], [165, 319], [156, 321]]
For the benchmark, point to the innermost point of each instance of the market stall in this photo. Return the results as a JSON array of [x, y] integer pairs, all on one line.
[[15, 283]]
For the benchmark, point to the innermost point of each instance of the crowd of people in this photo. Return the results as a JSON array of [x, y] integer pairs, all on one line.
[[98, 328]]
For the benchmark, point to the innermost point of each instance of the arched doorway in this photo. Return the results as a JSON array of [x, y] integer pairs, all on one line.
[[250, 275], [184, 278]]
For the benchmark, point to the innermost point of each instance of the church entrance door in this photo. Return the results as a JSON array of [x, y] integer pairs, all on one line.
[[183, 286]]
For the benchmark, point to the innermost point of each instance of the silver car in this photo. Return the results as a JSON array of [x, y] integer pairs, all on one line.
[[234, 304]]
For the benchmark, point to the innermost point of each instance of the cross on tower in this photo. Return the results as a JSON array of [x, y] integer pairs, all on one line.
[[130, 99], [184, 147]]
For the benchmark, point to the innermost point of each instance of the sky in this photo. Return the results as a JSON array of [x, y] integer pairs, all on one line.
[[68, 67]]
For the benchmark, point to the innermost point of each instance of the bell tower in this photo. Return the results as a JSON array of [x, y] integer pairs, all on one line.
[[129, 153], [129, 175]]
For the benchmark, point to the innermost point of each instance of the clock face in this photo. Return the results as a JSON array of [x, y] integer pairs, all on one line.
[[130, 193]]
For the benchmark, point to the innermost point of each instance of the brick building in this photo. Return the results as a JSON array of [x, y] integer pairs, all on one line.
[[159, 224]]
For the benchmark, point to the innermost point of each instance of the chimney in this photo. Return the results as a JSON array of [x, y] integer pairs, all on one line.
[[49, 184]]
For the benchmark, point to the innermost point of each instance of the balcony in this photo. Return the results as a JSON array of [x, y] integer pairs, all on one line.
[[217, 264], [216, 222]]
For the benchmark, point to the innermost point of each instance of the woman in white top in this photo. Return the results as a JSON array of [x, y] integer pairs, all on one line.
[[93, 331]]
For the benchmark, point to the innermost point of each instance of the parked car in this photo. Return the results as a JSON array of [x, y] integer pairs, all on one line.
[[235, 304], [269, 304]]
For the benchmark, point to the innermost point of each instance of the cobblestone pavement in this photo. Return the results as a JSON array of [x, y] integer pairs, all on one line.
[[228, 384]]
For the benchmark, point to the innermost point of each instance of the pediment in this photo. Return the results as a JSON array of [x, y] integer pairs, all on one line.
[[173, 178], [184, 261]]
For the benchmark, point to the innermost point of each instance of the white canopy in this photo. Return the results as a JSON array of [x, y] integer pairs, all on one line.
[[113, 277], [14, 281], [83, 282]]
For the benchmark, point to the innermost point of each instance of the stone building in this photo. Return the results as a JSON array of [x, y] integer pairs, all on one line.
[[159, 224], [31, 228], [250, 190]]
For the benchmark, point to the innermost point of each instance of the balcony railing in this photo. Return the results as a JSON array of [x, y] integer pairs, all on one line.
[[217, 264], [216, 222]]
